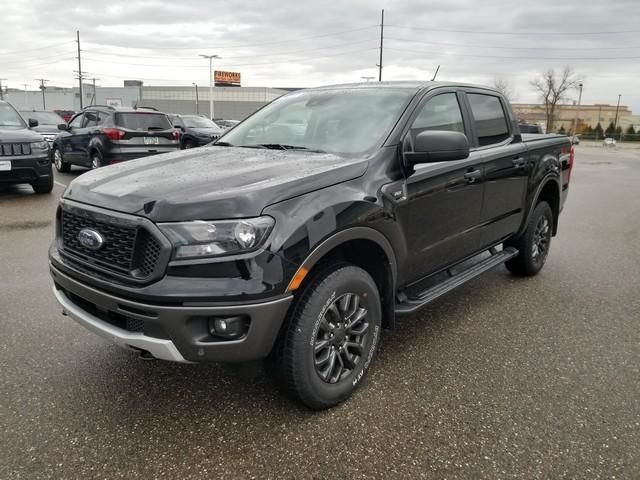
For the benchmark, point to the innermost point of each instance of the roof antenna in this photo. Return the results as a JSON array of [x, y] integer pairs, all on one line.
[[435, 74]]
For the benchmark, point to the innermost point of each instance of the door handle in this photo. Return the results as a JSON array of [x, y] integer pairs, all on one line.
[[472, 176], [519, 162]]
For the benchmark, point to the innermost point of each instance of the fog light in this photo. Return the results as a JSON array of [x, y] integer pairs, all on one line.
[[228, 328]]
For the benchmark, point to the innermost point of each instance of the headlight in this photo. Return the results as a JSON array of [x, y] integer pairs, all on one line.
[[40, 146], [221, 237]]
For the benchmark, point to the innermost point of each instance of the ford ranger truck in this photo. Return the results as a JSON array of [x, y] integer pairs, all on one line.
[[309, 228]]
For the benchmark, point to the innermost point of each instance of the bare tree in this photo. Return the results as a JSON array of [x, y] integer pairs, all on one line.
[[553, 89], [504, 88]]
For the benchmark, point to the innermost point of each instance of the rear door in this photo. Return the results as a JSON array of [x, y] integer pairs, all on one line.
[[145, 133], [69, 139], [503, 156], [442, 216]]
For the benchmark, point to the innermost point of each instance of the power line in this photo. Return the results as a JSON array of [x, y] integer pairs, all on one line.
[[536, 47], [261, 55], [520, 33], [209, 47], [519, 57], [44, 47]]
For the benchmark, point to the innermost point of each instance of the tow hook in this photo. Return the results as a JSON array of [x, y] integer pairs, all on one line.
[[145, 355]]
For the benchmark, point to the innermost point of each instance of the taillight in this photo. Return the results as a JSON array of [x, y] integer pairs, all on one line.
[[114, 133], [175, 135], [571, 157]]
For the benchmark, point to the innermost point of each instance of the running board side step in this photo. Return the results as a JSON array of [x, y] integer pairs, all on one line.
[[416, 302]]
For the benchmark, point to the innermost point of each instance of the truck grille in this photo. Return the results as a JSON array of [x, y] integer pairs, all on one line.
[[14, 149], [129, 251]]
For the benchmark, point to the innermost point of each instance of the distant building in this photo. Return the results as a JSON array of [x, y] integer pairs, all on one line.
[[588, 115], [233, 103]]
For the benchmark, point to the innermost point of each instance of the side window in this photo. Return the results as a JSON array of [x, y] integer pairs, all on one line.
[[441, 112], [490, 121], [77, 121], [94, 118]]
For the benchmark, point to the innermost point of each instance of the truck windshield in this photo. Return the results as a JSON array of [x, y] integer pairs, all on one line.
[[341, 121], [9, 117]]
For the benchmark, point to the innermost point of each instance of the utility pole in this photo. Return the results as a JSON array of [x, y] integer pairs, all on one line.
[[43, 88], [1, 89], [615, 123], [94, 100], [197, 106], [79, 69], [381, 43], [575, 120], [210, 57]]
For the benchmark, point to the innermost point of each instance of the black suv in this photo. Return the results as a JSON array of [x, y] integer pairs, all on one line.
[[195, 130], [24, 155], [101, 135]]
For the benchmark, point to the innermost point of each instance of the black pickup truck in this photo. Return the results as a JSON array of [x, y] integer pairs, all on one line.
[[308, 228]]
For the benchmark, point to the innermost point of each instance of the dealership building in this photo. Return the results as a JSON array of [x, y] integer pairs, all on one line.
[[230, 102]]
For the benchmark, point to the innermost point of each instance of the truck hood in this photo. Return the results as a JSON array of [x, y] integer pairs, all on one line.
[[18, 135], [211, 183]]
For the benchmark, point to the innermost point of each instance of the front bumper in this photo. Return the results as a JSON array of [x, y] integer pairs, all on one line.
[[176, 333], [26, 169]]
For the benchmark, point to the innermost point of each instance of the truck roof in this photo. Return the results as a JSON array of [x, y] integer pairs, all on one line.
[[407, 84]]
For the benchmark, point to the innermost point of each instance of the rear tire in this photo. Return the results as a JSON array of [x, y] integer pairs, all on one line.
[[58, 160], [329, 337], [187, 144], [534, 244], [96, 160], [44, 186]]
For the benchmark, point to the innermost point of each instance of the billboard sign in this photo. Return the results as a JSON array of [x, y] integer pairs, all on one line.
[[228, 79]]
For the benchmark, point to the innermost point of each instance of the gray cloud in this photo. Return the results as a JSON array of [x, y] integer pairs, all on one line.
[[292, 43]]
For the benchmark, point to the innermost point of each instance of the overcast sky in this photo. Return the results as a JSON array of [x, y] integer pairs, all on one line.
[[298, 43]]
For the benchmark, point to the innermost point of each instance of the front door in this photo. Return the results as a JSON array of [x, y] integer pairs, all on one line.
[[70, 140], [442, 214]]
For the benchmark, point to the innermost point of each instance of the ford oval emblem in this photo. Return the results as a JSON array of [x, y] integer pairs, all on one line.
[[90, 239]]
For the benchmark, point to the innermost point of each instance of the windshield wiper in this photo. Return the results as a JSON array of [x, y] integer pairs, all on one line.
[[281, 146], [223, 144], [156, 128]]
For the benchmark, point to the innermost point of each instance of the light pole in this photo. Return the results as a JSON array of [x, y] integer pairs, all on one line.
[[367, 78], [197, 107], [26, 101], [210, 57], [615, 123], [575, 120]]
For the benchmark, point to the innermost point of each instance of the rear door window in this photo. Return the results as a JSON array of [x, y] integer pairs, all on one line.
[[143, 121], [489, 118]]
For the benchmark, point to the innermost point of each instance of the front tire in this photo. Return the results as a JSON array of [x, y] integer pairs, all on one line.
[[59, 162], [330, 337], [45, 186], [534, 244], [96, 160]]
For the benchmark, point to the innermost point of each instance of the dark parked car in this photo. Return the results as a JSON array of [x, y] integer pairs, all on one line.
[[65, 114], [530, 128], [302, 249], [195, 130], [24, 155], [47, 123], [101, 135], [226, 124]]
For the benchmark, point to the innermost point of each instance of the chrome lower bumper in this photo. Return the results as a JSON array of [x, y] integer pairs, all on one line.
[[159, 348]]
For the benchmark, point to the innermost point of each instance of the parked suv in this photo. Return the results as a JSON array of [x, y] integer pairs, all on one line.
[[100, 135], [24, 155], [302, 247], [47, 123], [195, 130]]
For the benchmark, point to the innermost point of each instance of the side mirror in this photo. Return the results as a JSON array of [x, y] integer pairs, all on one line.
[[432, 146], [33, 122], [63, 126]]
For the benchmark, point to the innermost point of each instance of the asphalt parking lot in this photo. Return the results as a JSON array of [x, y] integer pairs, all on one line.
[[503, 378]]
